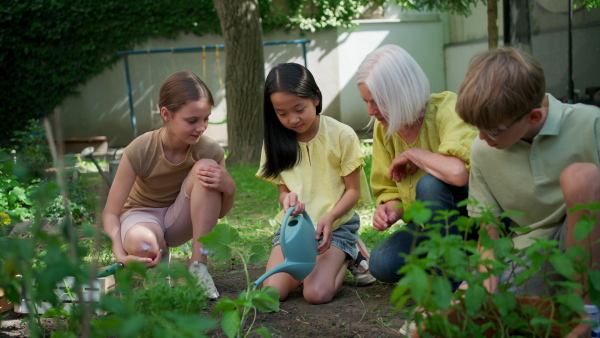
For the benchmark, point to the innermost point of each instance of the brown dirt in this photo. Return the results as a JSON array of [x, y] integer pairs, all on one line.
[[353, 312]]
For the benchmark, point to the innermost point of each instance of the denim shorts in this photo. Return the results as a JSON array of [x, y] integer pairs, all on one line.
[[344, 237]]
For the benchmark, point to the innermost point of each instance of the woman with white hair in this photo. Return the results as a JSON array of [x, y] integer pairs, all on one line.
[[421, 150]]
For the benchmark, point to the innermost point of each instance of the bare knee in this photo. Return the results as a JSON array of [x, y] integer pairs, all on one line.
[[318, 295], [204, 162], [193, 183], [580, 183], [143, 240]]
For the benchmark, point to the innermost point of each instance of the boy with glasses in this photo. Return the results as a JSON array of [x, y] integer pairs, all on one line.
[[534, 154]]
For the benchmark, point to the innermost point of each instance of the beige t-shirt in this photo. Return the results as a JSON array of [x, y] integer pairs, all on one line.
[[158, 181]]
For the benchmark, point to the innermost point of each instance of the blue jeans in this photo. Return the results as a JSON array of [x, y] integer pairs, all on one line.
[[386, 259]]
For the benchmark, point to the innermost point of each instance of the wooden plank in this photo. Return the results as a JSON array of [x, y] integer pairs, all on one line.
[[5, 305], [66, 293]]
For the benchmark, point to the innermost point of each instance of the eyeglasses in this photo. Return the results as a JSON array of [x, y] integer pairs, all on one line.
[[493, 133]]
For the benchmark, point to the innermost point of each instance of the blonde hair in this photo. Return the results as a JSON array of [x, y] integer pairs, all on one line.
[[398, 85], [500, 84]]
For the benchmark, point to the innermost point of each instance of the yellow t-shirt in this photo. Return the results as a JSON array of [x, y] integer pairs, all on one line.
[[158, 181], [319, 177], [443, 132]]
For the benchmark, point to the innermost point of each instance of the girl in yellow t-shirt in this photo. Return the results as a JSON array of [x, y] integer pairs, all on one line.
[[317, 165]]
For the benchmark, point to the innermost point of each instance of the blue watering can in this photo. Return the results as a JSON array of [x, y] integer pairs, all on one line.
[[299, 247]]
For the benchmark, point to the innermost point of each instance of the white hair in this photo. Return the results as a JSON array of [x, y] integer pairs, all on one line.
[[398, 85]]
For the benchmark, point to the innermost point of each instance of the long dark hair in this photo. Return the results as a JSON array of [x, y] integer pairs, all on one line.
[[281, 148]]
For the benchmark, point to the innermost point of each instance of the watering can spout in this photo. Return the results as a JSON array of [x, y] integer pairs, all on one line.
[[298, 246]]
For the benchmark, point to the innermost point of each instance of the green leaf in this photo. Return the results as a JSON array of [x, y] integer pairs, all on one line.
[[264, 302], [562, 265], [225, 305], [594, 278], [419, 282], [584, 227], [572, 300], [474, 298], [593, 292], [502, 247], [442, 292], [398, 292], [417, 212], [230, 322], [263, 331], [505, 302], [258, 254], [193, 324], [219, 241], [271, 291], [132, 326]]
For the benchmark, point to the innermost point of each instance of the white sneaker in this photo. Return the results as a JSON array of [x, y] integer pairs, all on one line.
[[410, 325], [362, 275], [200, 271], [360, 267]]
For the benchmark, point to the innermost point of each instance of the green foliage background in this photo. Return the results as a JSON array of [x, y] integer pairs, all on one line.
[[48, 48]]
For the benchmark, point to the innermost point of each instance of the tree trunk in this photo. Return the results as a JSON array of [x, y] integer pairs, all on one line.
[[244, 78], [492, 13]]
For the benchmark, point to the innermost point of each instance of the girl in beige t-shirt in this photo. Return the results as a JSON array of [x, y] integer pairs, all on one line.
[[171, 185]]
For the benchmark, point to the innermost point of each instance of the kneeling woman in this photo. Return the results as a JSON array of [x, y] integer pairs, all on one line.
[[421, 150]]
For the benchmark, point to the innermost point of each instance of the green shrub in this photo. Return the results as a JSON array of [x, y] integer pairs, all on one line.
[[437, 260]]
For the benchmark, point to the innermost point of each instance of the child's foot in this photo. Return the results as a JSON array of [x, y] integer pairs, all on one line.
[[200, 271], [360, 269], [410, 325]]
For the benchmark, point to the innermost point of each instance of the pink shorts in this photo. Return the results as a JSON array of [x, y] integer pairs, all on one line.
[[175, 220]]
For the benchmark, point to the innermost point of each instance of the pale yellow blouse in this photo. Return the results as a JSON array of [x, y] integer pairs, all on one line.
[[319, 177], [443, 132]]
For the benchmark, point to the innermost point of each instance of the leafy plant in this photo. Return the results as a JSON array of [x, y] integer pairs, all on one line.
[[234, 312], [154, 308], [31, 148], [438, 259]]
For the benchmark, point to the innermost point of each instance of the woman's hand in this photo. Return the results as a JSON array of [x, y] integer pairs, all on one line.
[[215, 177], [324, 232], [290, 200], [386, 214], [405, 164]]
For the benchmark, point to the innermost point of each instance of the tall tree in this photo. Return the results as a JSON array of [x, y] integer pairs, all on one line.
[[244, 77]]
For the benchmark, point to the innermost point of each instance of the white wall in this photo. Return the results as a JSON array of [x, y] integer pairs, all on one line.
[[333, 56], [422, 38]]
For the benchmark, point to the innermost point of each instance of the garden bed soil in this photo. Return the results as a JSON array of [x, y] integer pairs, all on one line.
[[354, 311]]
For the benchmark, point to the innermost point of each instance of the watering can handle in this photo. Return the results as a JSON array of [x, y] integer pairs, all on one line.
[[285, 219]]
